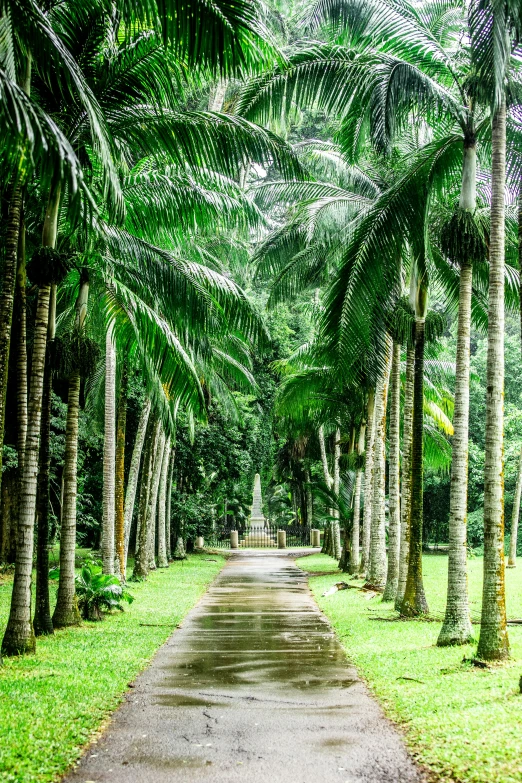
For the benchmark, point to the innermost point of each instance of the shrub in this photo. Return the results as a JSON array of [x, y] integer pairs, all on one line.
[[99, 593]]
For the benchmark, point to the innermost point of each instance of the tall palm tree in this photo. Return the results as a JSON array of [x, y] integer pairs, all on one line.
[[492, 27]]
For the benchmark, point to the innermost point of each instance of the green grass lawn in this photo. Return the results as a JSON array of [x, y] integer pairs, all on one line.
[[53, 702], [462, 722]]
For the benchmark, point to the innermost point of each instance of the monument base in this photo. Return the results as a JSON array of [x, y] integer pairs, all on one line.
[[258, 535]]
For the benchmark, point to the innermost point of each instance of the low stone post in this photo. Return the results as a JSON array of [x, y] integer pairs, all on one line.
[[234, 539], [281, 539], [199, 542], [316, 537]]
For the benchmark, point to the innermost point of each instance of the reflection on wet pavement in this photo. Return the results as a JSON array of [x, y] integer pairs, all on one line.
[[257, 628], [253, 687]]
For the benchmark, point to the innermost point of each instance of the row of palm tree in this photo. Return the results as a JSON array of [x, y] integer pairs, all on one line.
[[118, 184], [427, 102]]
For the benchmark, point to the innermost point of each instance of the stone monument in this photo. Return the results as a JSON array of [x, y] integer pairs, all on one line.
[[257, 519], [258, 534]]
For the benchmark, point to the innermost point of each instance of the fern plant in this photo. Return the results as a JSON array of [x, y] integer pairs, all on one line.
[[98, 593]]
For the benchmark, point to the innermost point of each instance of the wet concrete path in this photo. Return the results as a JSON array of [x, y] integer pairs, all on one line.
[[253, 687]]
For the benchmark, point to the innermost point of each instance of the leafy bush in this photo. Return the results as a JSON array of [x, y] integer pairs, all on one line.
[[99, 592]]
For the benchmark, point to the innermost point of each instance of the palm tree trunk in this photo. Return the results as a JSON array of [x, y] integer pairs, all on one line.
[[456, 628], [377, 566], [406, 477], [141, 559], [10, 271], [153, 500], [414, 601], [328, 480], [134, 472], [21, 349], [66, 610], [43, 624], [119, 490], [169, 501], [356, 525], [336, 530], [19, 635], [162, 509], [394, 524], [493, 641], [109, 456], [512, 559], [368, 481], [7, 297]]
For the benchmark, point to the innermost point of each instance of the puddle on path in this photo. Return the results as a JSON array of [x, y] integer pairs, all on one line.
[[255, 629]]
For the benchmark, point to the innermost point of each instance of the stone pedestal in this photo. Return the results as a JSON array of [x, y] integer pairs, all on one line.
[[199, 542], [281, 539], [234, 539], [315, 537]]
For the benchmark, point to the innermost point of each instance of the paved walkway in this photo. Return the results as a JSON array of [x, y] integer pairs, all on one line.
[[254, 687]]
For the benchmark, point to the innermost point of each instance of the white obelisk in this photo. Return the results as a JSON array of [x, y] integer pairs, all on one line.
[[257, 519]]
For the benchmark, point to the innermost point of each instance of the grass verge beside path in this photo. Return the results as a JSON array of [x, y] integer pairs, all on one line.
[[53, 702], [462, 722]]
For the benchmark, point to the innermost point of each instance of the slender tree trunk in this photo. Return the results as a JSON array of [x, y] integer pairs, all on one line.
[[141, 559], [109, 455], [162, 509], [456, 628], [9, 274], [7, 296], [309, 499], [21, 349], [368, 482], [356, 526], [169, 501], [134, 471], [336, 530], [414, 601], [512, 559], [43, 624], [406, 477], [356, 523], [153, 500], [493, 641], [66, 611], [377, 565], [346, 550], [394, 525], [119, 490], [328, 480], [19, 635]]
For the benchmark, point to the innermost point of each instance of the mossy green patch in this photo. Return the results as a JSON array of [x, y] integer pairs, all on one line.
[[463, 722], [53, 702]]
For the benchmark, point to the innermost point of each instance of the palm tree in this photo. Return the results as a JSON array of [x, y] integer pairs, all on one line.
[[494, 27], [394, 527]]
